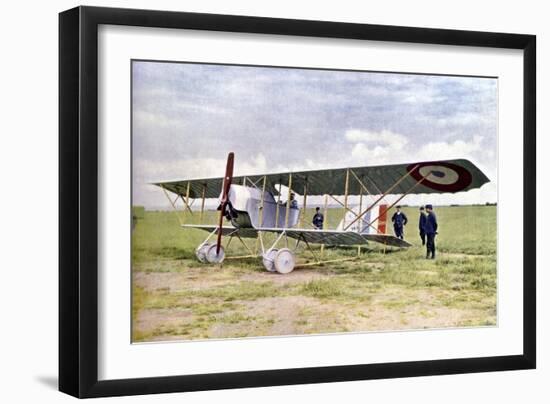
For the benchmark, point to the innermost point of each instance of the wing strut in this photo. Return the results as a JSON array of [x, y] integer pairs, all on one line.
[[382, 196]]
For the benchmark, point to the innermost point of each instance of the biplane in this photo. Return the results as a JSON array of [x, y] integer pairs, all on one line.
[[251, 206]]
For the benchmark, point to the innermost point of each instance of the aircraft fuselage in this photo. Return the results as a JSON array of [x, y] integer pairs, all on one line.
[[245, 209]]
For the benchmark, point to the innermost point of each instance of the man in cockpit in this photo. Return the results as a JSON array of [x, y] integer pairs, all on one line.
[[292, 201]]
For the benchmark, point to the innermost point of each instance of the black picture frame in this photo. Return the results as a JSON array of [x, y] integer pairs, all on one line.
[[78, 201]]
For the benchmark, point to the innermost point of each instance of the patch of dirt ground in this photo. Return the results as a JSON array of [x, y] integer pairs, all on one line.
[[388, 308], [190, 279], [419, 309], [301, 275]]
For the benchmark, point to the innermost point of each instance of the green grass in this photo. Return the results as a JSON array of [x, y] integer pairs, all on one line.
[[322, 288], [138, 212], [462, 229], [395, 285]]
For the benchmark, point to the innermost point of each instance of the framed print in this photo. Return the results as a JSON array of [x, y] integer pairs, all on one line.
[[250, 201]]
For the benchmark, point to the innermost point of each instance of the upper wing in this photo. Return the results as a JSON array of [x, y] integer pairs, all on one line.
[[327, 237], [434, 177]]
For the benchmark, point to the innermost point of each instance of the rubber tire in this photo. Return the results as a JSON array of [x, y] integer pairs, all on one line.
[[285, 261], [268, 259], [211, 256], [201, 251]]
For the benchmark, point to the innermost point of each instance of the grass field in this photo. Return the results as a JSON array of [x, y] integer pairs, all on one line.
[[176, 297]]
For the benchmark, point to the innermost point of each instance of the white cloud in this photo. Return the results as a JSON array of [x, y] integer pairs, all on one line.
[[278, 120], [196, 107], [450, 150], [204, 167], [463, 119], [147, 171], [421, 99], [385, 147], [383, 137], [366, 148], [420, 94], [155, 121], [375, 155], [375, 147]]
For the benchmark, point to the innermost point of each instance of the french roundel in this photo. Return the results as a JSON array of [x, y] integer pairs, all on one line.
[[441, 176]]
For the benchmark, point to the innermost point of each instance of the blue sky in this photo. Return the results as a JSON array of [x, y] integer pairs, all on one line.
[[187, 117]]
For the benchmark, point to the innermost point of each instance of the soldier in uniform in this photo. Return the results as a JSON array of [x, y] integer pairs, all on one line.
[[318, 219], [422, 225], [431, 231], [399, 220]]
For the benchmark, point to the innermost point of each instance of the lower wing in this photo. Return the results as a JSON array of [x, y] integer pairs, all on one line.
[[327, 237], [247, 232]]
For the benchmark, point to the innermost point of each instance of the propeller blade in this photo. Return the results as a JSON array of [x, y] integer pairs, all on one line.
[[219, 242], [228, 175], [225, 196]]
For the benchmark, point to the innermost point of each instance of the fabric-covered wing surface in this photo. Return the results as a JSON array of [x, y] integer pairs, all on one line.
[[387, 239], [226, 230], [327, 237], [439, 177], [342, 238]]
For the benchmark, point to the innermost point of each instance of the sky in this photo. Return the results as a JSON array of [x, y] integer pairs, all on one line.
[[186, 118]]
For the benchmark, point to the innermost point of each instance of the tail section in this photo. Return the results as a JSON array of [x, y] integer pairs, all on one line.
[[382, 218], [372, 222]]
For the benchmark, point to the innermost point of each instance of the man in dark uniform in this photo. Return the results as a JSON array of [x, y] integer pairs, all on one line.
[[399, 220], [318, 219], [422, 225], [431, 230]]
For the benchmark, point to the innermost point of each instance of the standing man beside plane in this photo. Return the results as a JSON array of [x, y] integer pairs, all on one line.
[[399, 220], [318, 219], [431, 231], [422, 225]]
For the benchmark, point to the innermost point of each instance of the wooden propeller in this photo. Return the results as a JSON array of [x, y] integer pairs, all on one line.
[[225, 196]]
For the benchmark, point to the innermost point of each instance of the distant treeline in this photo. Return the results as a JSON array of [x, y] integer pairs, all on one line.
[[476, 204]]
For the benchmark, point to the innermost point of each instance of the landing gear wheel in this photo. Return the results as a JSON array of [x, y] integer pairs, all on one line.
[[268, 259], [214, 258], [284, 261], [201, 251]]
